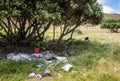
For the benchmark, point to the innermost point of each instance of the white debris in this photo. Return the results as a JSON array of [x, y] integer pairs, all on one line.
[[25, 56], [49, 57], [40, 55], [64, 59], [32, 75], [37, 55], [18, 57], [67, 67], [9, 56], [59, 75], [38, 76], [47, 71]]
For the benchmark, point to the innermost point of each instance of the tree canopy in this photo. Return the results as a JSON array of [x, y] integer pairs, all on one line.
[[111, 24], [22, 20]]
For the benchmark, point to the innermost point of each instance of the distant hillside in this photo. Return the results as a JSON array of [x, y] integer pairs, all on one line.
[[112, 15]]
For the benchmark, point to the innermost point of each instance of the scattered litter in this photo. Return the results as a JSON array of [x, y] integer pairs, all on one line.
[[39, 65], [37, 50], [18, 57], [38, 76], [42, 63], [64, 59], [40, 55], [32, 75], [48, 62], [24, 56], [46, 55], [47, 72], [9, 56], [50, 56], [87, 39], [52, 65], [37, 55], [59, 75], [67, 67]]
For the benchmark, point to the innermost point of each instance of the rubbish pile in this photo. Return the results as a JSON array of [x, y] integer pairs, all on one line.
[[19, 56], [67, 67], [47, 72], [45, 57]]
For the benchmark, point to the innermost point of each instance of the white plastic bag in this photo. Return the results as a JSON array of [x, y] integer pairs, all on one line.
[[67, 67]]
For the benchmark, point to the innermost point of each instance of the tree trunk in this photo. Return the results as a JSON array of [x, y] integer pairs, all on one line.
[[53, 33]]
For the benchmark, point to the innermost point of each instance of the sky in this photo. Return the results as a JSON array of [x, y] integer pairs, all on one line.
[[110, 6]]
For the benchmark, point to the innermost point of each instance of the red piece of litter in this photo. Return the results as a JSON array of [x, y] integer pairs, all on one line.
[[37, 50]]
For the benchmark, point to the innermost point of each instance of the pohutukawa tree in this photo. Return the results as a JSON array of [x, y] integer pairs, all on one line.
[[22, 20]]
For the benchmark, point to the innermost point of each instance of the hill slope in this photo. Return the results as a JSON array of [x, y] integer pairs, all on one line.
[[106, 15]]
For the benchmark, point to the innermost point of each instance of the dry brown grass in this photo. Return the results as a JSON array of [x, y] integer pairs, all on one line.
[[95, 33], [112, 15]]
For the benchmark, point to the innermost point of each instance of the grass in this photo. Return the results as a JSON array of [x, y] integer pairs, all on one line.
[[98, 60], [93, 62]]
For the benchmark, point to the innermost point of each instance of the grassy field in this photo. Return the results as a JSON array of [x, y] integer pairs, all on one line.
[[95, 33], [98, 60]]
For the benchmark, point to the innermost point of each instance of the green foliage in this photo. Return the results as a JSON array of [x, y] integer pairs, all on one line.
[[94, 12], [35, 44], [112, 24], [72, 42], [20, 19]]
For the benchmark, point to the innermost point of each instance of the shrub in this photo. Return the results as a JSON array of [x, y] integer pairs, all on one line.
[[111, 24]]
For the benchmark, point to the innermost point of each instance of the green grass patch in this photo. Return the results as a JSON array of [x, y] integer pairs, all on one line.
[[87, 64], [15, 67]]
